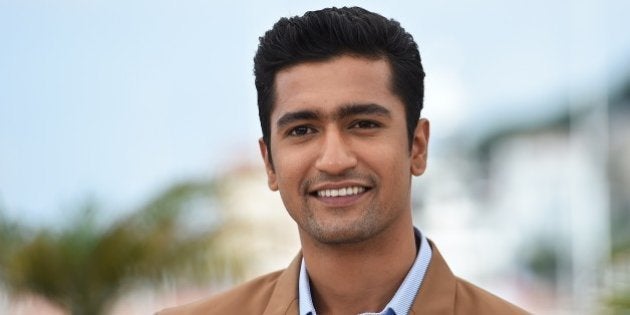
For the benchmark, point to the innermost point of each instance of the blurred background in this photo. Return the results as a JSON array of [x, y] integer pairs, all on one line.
[[130, 178]]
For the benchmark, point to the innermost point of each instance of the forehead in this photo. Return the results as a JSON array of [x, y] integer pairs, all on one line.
[[324, 86]]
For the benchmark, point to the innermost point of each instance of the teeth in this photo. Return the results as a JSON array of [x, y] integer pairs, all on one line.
[[341, 192]]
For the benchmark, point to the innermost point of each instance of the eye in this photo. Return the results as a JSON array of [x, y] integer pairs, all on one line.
[[365, 124], [301, 131]]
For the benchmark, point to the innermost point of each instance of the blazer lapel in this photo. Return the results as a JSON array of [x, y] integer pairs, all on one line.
[[437, 292], [284, 298]]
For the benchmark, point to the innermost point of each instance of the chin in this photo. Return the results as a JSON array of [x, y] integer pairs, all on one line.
[[336, 235]]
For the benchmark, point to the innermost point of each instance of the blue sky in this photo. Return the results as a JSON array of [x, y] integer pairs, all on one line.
[[114, 100]]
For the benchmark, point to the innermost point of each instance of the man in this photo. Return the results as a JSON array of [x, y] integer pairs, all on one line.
[[339, 95]]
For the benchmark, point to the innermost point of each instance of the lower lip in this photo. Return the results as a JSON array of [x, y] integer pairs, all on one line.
[[339, 202]]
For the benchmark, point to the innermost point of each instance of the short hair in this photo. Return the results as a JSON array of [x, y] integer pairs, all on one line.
[[324, 34]]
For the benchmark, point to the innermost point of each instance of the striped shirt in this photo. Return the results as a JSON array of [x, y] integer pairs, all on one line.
[[400, 304]]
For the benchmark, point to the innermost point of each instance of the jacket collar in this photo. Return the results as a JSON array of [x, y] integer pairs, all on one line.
[[284, 298], [436, 295]]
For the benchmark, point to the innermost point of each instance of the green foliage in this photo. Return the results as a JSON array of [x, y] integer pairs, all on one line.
[[619, 303], [85, 267], [616, 300]]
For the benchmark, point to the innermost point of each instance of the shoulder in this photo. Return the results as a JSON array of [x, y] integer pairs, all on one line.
[[470, 299], [250, 297]]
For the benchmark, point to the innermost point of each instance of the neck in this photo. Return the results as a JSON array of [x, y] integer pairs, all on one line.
[[359, 277]]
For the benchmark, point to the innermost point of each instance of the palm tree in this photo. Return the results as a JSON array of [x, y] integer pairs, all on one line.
[[86, 266]]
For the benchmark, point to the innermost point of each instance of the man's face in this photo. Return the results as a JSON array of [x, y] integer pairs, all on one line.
[[341, 157]]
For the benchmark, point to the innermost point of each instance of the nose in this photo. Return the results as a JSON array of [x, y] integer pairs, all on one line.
[[336, 155]]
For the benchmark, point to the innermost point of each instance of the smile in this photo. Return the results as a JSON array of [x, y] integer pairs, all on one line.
[[341, 192]]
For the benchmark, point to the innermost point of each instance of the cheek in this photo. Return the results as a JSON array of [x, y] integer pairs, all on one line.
[[291, 168], [388, 159]]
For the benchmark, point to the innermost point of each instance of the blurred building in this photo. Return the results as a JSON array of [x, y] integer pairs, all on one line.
[[540, 211]]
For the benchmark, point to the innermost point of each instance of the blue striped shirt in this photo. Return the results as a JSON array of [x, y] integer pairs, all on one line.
[[402, 300]]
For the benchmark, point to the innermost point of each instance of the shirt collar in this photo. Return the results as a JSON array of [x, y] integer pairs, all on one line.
[[304, 292], [404, 296]]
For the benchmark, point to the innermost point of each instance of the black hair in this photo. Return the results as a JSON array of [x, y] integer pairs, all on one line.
[[331, 32]]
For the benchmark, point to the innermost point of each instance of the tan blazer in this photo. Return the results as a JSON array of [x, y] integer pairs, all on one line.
[[277, 293]]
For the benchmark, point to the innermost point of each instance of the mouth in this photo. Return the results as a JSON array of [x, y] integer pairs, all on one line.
[[340, 196], [340, 192]]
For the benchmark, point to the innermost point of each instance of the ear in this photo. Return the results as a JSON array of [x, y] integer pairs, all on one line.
[[272, 181], [419, 148]]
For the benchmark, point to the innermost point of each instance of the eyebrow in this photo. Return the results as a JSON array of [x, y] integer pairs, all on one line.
[[292, 117], [362, 109], [344, 112]]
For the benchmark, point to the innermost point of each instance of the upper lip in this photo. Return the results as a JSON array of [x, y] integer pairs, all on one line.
[[337, 185]]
